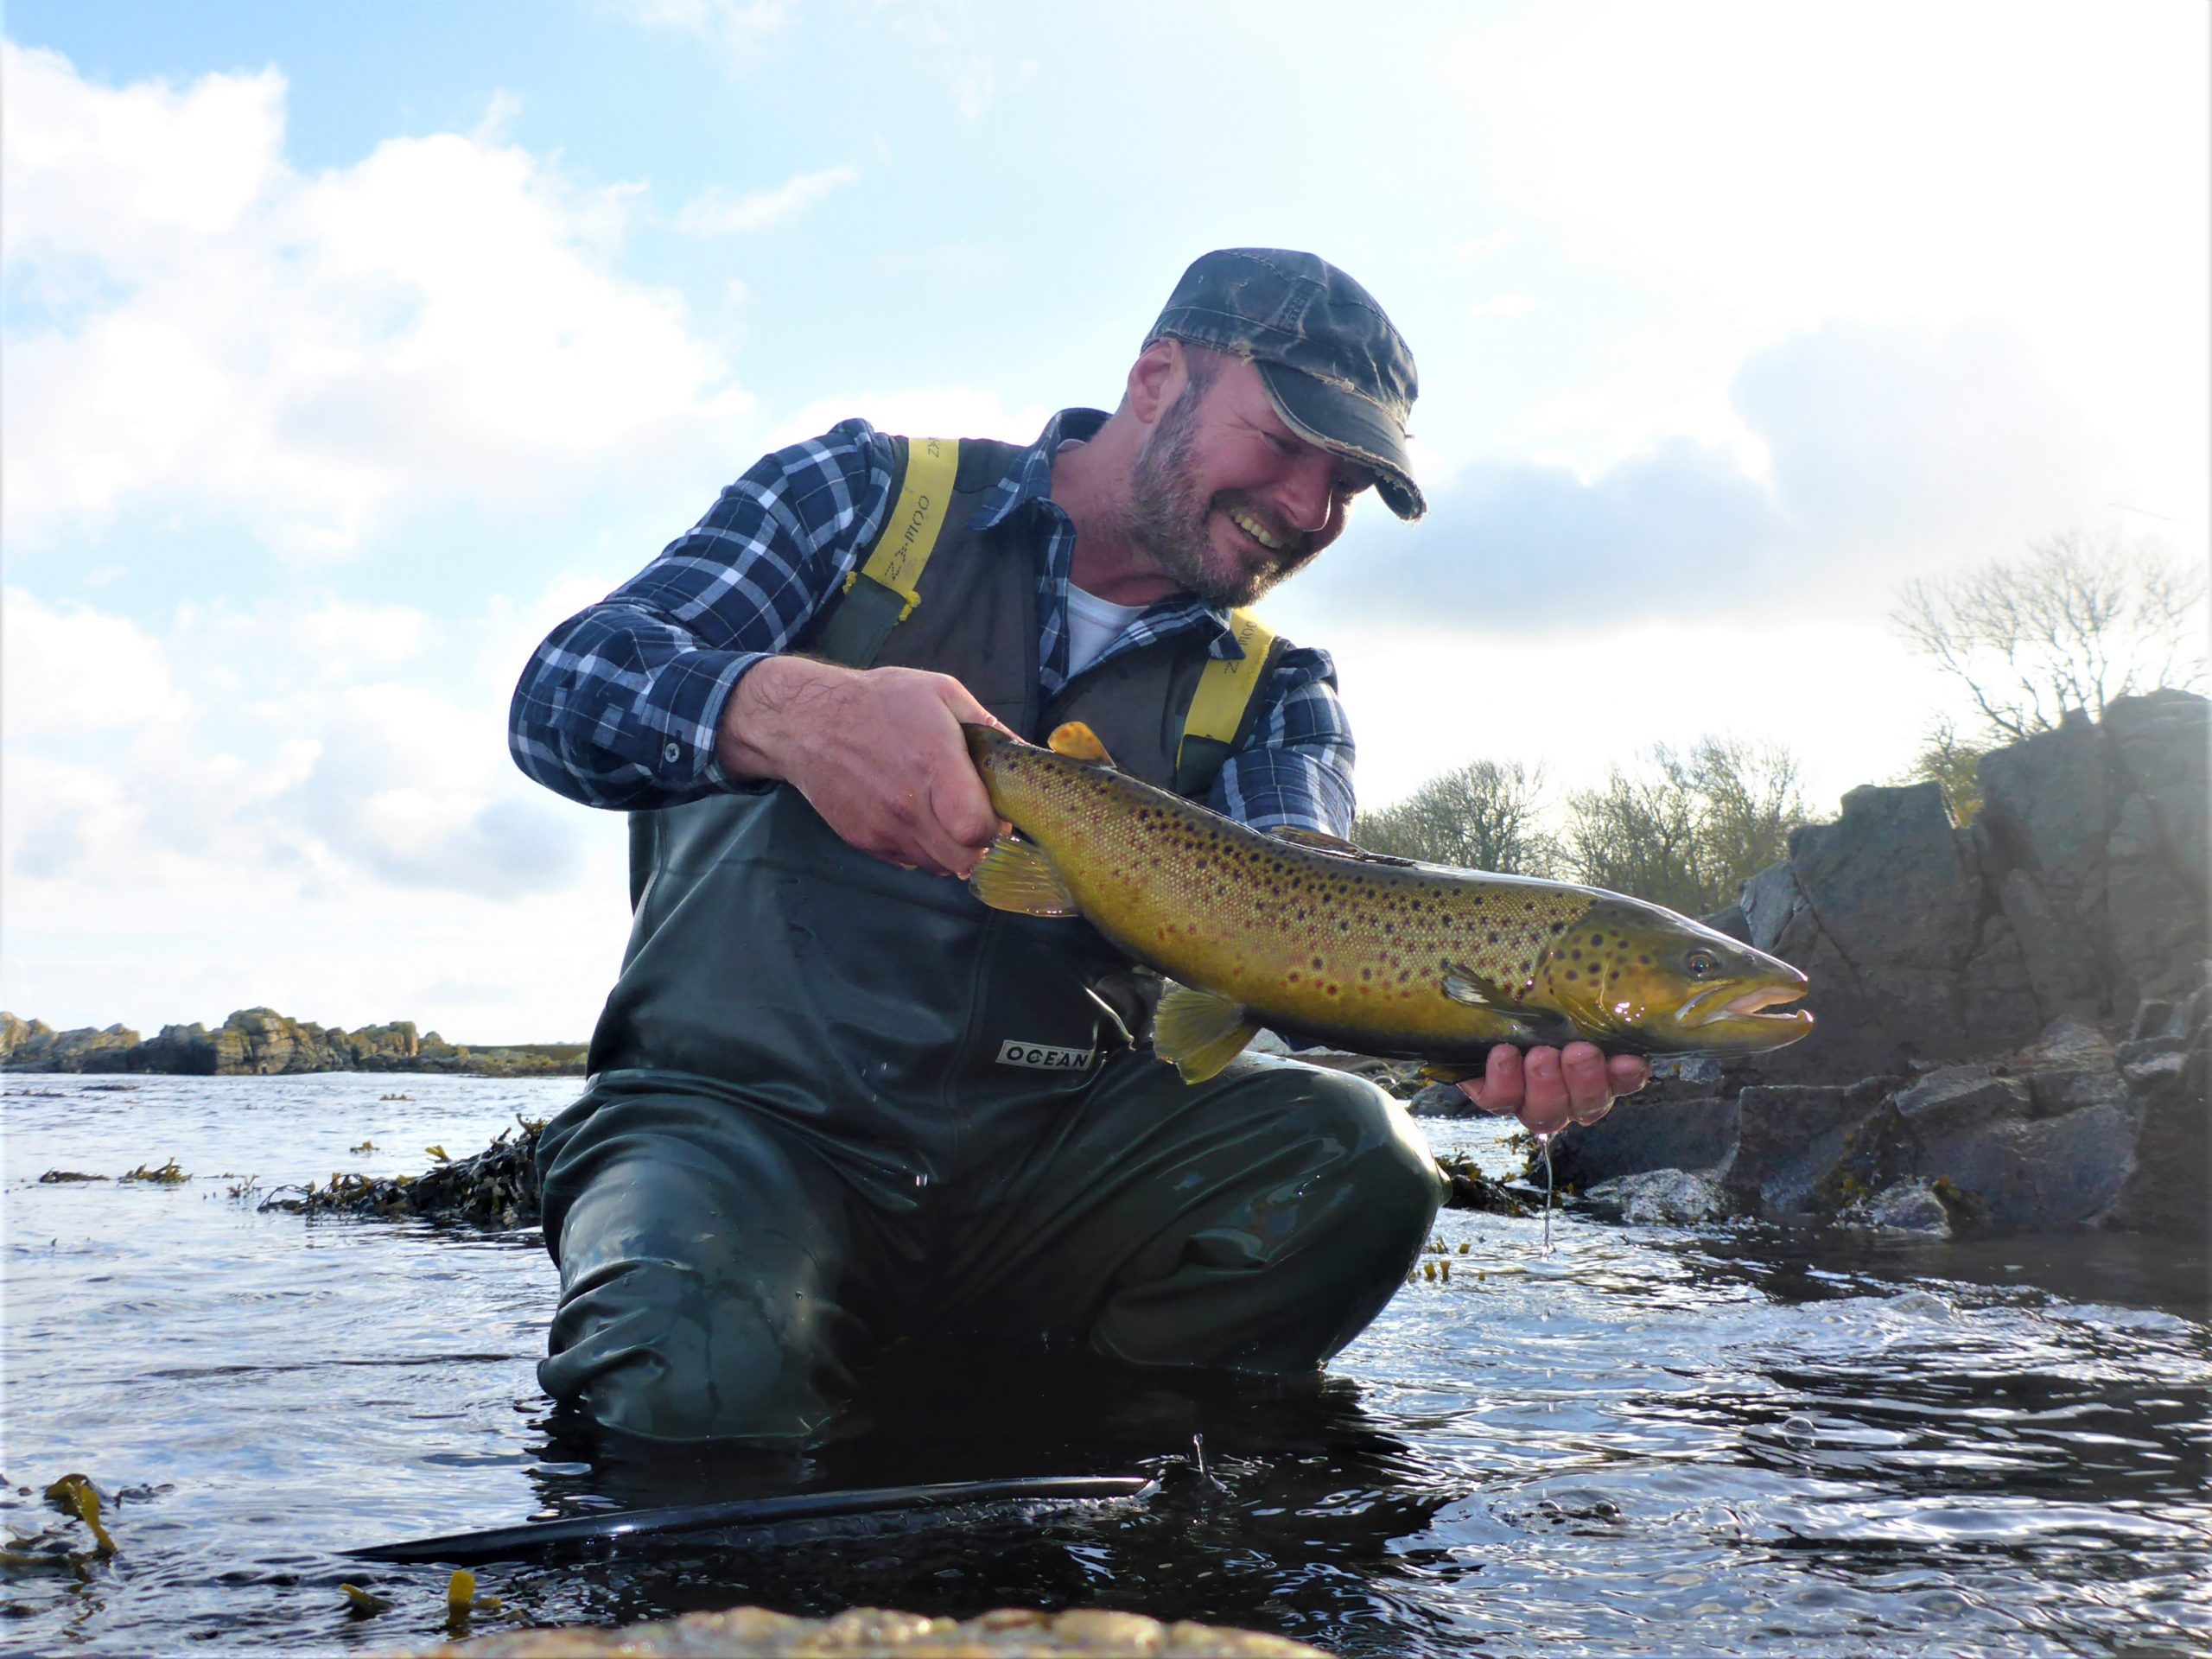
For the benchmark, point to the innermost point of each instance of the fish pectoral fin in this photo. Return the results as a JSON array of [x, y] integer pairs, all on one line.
[[1078, 742], [1016, 876], [1502, 1020], [1198, 1032], [1437, 1071], [1465, 985], [1322, 841]]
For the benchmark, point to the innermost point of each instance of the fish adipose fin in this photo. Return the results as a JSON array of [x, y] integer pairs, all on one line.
[[1016, 876], [1078, 742], [1321, 842], [1198, 1032]]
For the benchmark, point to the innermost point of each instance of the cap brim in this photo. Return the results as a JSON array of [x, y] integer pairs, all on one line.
[[1347, 424]]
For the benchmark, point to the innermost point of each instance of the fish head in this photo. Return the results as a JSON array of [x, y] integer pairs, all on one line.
[[1650, 981]]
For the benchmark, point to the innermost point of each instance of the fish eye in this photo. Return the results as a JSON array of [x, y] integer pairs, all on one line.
[[1703, 964]]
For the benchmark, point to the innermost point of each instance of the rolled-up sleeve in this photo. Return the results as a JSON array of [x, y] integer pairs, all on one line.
[[620, 705]]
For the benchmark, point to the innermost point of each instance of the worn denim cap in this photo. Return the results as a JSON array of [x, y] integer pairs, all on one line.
[[1339, 374]]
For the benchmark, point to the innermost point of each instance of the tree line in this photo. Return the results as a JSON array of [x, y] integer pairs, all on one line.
[[2077, 623], [1683, 828]]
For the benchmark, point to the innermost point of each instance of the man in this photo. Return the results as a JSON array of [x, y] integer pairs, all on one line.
[[836, 1102]]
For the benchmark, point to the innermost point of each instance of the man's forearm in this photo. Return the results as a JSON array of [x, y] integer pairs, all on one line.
[[779, 703]]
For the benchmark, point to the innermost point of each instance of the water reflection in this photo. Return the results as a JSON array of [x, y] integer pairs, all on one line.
[[1303, 1498]]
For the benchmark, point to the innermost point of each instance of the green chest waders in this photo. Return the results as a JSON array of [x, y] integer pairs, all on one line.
[[834, 1103]]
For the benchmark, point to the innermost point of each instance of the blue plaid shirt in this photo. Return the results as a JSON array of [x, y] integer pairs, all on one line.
[[619, 707]]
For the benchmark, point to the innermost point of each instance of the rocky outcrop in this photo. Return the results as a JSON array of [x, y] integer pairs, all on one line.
[[2012, 1018], [260, 1042]]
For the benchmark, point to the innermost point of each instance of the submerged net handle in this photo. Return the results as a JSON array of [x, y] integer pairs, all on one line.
[[505, 1543]]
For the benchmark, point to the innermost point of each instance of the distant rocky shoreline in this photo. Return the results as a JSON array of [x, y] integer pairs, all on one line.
[[260, 1042]]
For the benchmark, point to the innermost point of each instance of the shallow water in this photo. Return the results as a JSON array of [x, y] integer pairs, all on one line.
[[1650, 1442]]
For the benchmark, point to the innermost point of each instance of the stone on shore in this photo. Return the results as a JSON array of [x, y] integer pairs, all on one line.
[[866, 1632]]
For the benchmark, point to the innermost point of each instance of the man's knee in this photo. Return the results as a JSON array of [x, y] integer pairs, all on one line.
[[700, 1269], [1381, 1155], [668, 1351]]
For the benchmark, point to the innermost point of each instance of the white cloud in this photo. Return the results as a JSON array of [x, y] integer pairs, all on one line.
[[714, 212], [920, 411], [208, 328], [1505, 305], [1754, 170], [1885, 453], [740, 27], [322, 787]]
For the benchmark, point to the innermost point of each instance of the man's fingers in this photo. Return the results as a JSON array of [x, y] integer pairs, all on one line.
[[1549, 1089], [1544, 1109], [1498, 1089], [1626, 1073]]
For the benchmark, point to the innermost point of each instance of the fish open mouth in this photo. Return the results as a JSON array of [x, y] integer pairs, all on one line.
[[1764, 1002]]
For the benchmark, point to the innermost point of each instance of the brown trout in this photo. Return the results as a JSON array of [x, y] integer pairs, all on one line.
[[1308, 936]]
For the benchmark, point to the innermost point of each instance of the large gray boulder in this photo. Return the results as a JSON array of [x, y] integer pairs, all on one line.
[[1809, 1149], [1883, 909]]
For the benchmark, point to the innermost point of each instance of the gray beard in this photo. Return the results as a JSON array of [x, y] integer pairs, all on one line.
[[1169, 520]]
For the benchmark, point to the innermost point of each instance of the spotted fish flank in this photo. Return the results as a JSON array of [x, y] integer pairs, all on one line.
[[1313, 938]]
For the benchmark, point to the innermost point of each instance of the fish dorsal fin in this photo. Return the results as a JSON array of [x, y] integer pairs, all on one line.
[[1078, 742], [1016, 876], [1321, 842], [1198, 1031]]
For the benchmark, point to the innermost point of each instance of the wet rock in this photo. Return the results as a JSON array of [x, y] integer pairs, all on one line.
[[1443, 1100], [2072, 1067], [878, 1633], [2166, 1191], [1960, 1098], [1661, 1197], [1654, 1129], [2048, 1174], [1807, 1149], [1910, 1206]]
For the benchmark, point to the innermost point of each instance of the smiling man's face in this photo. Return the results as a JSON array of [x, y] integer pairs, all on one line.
[[1225, 497]]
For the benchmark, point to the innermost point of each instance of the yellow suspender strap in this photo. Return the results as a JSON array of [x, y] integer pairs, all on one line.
[[1217, 709], [871, 609], [910, 535]]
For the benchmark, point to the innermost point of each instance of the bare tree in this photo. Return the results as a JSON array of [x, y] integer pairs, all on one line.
[[1484, 816], [1948, 760], [1689, 829], [1638, 836], [2077, 623]]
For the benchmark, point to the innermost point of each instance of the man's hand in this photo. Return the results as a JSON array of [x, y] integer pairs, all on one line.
[[1550, 1087], [877, 752]]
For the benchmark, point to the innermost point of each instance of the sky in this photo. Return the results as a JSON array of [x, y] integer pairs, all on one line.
[[345, 349]]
